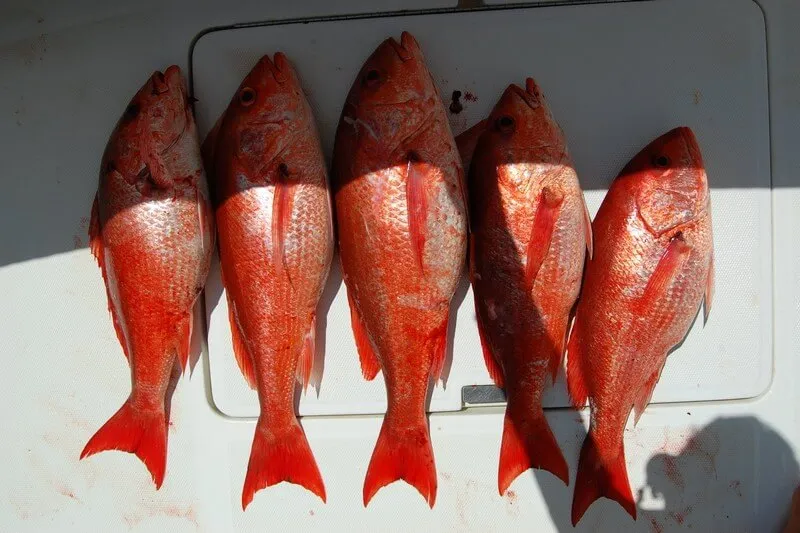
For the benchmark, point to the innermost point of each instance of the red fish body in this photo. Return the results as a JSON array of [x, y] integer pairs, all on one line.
[[402, 236], [275, 244], [651, 270], [530, 232], [152, 234]]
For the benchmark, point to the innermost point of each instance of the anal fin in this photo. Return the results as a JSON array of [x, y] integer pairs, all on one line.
[[576, 385], [369, 362], [708, 296], [240, 351], [185, 339], [645, 394], [439, 340], [306, 361], [587, 229], [493, 365]]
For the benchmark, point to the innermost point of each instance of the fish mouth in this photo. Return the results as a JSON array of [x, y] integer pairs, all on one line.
[[160, 85], [530, 95], [405, 48], [686, 137], [275, 66]]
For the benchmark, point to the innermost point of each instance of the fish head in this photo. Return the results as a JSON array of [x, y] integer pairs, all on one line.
[[669, 178], [522, 117], [153, 122], [522, 133], [393, 94], [265, 112]]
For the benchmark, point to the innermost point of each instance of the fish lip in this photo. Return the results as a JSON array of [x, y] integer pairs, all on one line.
[[275, 65], [403, 48], [160, 84], [693, 148], [531, 100]]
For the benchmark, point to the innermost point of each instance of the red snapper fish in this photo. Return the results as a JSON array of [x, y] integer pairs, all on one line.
[[652, 268], [152, 233], [402, 235], [530, 231], [275, 245]]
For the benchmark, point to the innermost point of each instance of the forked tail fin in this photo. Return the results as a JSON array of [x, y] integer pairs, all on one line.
[[281, 455], [139, 431], [597, 479], [528, 442], [402, 453]]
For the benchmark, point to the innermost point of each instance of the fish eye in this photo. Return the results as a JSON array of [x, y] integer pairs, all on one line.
[[247, 96], [505, 124], [661, 161], [371, 77]]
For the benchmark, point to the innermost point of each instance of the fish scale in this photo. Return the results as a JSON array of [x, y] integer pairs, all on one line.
[[402, 239], [276, 244], [652, 269], [530, 233], [153, 243]]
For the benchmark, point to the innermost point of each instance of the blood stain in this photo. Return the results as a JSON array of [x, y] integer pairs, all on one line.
[[310, 512], [655, 527], [680, 517], [511, 496], [470, 97], [177, 512], [672, 472], [64, 491], [736, 486], [706, 447]]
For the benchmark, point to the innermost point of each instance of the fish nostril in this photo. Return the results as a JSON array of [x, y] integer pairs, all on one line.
[[505, 124], [372, 77]]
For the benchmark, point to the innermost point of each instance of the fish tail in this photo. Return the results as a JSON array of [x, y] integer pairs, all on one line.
[[527, 443], [597, 478], [402, 453], [141, 431], [281, 455]]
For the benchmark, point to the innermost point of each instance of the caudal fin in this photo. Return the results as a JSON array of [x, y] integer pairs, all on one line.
[[528, 442], [402, 453], [138, 431], [596, 479], [282, 455]]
